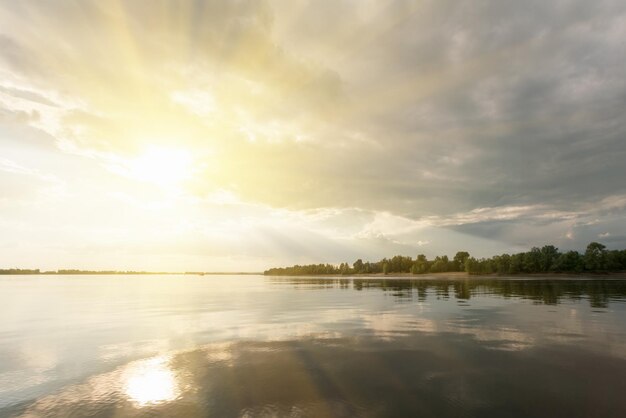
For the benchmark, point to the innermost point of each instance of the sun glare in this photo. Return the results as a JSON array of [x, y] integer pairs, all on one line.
[[162, 166], [151, 382]]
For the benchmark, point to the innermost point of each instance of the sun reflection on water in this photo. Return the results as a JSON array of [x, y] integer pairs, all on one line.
[[151, 382]]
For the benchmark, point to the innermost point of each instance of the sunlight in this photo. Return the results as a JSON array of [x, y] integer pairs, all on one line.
[[162, 166], [151, 382]]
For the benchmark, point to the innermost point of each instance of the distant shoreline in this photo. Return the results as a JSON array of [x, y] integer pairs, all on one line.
[[391, 276], [124, 273], [459, 275], [547, 260]]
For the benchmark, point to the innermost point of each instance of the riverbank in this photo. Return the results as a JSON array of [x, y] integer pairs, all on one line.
[[456, 275]]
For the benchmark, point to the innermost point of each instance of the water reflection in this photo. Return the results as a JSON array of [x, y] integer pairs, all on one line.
[[434, 376], [599, 292], [139, 385], [313, 347], [151, 382]]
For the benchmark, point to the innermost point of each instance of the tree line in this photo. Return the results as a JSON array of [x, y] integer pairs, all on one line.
[[16, 271], [19, 271], [547, 259]]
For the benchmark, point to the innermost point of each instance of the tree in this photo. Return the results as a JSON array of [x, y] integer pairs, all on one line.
[[421, 264], [570, 261], [400, 264], [502, 263], [595, 257], [544, 259], [358, 266], [459, 260], [532, 261], [613, 260], [472, 266], [439, 266], [344, 268], [549, 254]]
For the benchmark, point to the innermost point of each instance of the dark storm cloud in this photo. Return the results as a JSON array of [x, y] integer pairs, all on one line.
[[479, 104]]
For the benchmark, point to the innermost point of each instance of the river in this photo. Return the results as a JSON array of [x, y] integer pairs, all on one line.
[[255, 346]]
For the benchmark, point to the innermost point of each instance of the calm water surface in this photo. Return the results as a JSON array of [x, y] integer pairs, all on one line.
[[254, 346]]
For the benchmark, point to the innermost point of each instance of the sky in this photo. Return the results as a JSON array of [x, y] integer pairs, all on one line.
[[240, 135]]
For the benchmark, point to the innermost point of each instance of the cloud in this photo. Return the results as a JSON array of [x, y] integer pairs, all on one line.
[[431, 107], [399, 123]]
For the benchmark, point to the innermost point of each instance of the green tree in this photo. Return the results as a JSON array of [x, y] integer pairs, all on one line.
[[549, 254], [532, 261], [358, 266], [502, 263], [595, 257], [344, 268], [570, 262], [472, 266], [439, 266], [400, 264], [459, 260], [613, 262], [422, 264], [516, 263]]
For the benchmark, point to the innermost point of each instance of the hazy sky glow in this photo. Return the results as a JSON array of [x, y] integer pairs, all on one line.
[[239, 135]]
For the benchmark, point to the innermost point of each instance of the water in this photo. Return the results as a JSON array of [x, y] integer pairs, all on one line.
[[254, 346]]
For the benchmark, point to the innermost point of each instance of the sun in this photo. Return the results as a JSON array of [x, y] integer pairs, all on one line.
[[162, 166]]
